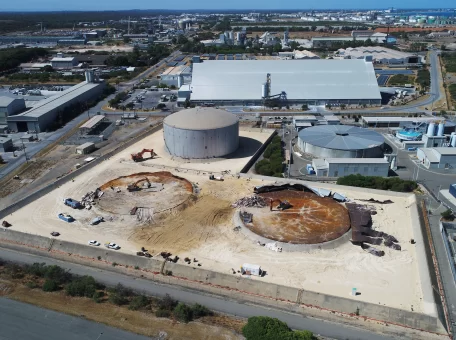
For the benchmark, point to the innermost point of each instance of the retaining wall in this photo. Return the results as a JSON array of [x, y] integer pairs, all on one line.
[[235, 286], [258, 153]]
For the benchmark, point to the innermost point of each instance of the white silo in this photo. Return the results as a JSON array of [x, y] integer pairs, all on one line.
[[231, 35], [430, 130], [441, 129], [238, 36], [264, 90], [453, 139]]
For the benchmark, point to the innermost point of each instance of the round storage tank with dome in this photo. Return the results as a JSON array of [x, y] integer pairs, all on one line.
[[341, 141], [201, 133]]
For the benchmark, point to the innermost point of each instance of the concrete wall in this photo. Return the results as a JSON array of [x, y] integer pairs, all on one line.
[[258, 153], [231, 285]]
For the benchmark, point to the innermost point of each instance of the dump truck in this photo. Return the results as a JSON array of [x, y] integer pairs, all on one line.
[[139, 157], [72, 203]]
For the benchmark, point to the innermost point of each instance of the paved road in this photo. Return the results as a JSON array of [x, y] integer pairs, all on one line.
[[23, 321], [325, 328]]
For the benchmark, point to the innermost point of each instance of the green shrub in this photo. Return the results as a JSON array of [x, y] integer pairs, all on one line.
[[448, 215], [376, 182], [266, 328], [138, 302], [199, 311], [162, 313], [97, 296], [31, 284], [83, 286], [50, 286], [57, 274], [167, 303], [183, 313], [117, 299]]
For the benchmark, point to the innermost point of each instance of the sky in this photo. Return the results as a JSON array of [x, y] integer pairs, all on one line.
[[87, 5]]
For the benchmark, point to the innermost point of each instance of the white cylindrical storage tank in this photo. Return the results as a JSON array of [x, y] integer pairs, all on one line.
[[441, 129], [201, 133], [264, 90], [179, 81], [430, 130], [453, 139], [341, 141]]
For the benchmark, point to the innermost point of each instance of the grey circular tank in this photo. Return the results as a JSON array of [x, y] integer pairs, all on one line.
[[201, 133], [341, 141]]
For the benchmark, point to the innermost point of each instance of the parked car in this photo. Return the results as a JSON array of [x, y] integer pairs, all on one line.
[[55, 233], [112, 245], [94, 243], [97, 220]]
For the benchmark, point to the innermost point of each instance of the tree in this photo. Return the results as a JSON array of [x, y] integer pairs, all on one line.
[[126, 40], [266, 328], [304, 107], [448, 215], [48, 68], [313, 28], [50, 286], [183, 313]]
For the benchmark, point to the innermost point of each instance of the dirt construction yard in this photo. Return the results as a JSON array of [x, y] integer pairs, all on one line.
[[199, 224]]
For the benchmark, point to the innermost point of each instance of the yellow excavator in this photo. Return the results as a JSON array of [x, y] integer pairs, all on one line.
[[135, 187]]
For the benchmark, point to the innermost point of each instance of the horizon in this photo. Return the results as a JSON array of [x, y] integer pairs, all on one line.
[[208, 6]]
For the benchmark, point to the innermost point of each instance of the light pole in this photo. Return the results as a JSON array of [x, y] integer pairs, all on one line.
[[25, 154], [438, 192]]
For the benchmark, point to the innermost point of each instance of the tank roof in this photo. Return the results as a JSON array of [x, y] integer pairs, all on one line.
[[341, 137], [201, 118]]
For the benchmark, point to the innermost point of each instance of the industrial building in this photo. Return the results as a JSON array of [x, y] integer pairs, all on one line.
[[380, 55], [91, 124], [324, 42], [201, 133], [313, 82], [6, 144], [339, 167], [10, 106], [176, 76], [61, 63], [44, 113], [85, 148], [392, 122], [437, 158], [340, 141]]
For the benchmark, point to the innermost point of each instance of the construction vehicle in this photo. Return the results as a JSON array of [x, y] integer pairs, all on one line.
[[135, 187], [139, 157], [216, 178], [282, 205]]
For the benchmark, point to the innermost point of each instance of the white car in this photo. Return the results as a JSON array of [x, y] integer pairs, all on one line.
[[111, 245], [94, 243]]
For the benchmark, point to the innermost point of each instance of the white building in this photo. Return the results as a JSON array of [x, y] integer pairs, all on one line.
[[176, 76], [437, 158], [380, 55], [339, 167], [64, 62]]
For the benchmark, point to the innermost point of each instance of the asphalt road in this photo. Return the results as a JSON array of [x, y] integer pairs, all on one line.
[[23, 321], [223, 305]]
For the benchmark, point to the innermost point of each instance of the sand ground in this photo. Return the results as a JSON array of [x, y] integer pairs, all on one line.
[[204, 230]]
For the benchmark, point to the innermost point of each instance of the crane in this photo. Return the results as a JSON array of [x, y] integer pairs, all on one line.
[[134, 186], [138, 157]]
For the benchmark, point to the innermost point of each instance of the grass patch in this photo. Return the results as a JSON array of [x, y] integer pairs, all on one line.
[[400, 79]]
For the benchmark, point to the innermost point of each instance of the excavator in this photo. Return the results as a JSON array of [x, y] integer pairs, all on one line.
[[282, 205], [139, 157], [135, 187]]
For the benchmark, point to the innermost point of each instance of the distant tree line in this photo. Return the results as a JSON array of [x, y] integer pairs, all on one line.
[[11, 58]]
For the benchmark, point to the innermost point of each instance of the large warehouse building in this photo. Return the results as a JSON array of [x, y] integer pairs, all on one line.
[[41, 115], [341, 141], [201, 133], [312, 82]]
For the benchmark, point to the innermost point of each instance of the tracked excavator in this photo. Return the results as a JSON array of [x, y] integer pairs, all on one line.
[[135, 187], [139, 157], [283, 205]]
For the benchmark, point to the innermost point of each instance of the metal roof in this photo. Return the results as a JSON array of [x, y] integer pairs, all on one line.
[[310, 79], [341, 137], [44, 106], [7, 100], [201, 118], [92, 122]]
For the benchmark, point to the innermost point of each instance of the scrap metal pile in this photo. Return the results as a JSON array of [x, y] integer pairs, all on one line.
[[89, 199], [362, 232], [250, 202]]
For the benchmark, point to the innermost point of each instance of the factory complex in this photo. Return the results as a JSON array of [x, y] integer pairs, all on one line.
[[44, 112], [312, 82]]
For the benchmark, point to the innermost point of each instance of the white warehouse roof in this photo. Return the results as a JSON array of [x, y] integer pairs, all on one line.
[[310, 79]]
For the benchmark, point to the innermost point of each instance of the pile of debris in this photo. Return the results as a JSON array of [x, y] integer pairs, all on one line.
[[250, 202], [362, 232], [89, 198]]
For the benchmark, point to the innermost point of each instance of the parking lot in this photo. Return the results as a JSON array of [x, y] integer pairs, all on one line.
[[149, 99]]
